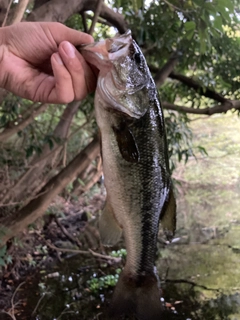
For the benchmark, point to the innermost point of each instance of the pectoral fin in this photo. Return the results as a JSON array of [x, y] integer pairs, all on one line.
[[110, 231], [127, 144], [168, 216]]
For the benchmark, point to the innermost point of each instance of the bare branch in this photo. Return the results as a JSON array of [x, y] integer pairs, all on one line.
[[220, 108], [77, 251], [84, 21], [6, 15], [165, 71], [193, 284], [204, 91], [96, 15], [36, 207], [19, 11], [58, 11], [198, 87], [8, 132]]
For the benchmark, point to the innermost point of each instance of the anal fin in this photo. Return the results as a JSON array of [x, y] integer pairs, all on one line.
[[110, 231]]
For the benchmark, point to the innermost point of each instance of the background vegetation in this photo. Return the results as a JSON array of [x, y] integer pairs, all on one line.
[[192, 48], [49, 154]]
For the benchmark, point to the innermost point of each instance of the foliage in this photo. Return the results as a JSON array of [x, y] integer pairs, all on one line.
[[121, 253], [97, 284], [179, 137], [202, 36], [5, 258]]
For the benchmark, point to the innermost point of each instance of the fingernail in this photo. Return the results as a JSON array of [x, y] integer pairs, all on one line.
[[69, 49], [58, 58]]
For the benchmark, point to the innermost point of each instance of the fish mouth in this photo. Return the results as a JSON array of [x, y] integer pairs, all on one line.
[[119, 44], [109, 49], [104, 55]]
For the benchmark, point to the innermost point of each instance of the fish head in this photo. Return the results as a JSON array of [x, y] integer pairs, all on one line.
[[124, 83]]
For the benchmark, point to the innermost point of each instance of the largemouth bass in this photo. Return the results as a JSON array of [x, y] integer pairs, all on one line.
[[136, 170]]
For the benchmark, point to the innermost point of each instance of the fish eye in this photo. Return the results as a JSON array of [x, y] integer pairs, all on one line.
[[137, 57]]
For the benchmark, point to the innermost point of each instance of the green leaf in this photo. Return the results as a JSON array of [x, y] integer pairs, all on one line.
[[224, 13], [29, 151], [226, 4], [202, 37], [202, 150], [198, 2], [3, 251], [50, 143], [3, 120], [218, 23], [2, 262], [210, 7], [8, 259], [189, 25]]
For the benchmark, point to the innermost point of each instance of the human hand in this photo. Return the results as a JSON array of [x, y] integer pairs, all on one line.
[[38, 61]]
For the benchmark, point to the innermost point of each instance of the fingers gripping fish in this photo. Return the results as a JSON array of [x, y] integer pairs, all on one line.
[[136, 170]]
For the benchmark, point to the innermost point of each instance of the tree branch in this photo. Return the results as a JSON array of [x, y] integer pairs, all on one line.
[[206, 92], [165, 71], [220, 108], [96, 15], [84, 22], [7, 13], [8, 132], [203, 91], [19, 11], [36, 207], [56, 10]]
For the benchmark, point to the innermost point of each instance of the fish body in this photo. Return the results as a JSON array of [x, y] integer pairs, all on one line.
[[136, 170]]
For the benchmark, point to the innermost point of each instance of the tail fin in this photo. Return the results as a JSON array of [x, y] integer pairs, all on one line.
[[138, 296]]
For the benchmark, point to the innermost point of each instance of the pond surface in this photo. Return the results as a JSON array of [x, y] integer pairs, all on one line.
[[199, 270]]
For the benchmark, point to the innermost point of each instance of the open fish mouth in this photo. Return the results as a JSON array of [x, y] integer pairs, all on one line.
[[123, 72], [110, 49]]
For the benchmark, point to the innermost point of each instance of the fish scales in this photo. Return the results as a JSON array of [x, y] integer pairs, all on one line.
[[136, 169]]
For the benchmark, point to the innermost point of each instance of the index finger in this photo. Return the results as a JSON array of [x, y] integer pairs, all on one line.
[[60, 32]]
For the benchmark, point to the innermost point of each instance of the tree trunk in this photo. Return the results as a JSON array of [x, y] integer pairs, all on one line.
[[36, 207], [33, 178]]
